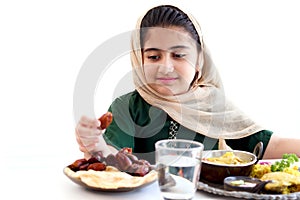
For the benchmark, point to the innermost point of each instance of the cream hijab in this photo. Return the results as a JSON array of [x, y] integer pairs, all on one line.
[[204, 108]]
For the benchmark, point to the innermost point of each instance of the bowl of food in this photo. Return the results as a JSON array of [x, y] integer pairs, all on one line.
[[219, 164]]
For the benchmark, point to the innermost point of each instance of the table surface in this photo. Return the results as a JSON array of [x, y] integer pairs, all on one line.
[[41, 177], [151, 191], [47, 183], [35, 171], [148, 192]]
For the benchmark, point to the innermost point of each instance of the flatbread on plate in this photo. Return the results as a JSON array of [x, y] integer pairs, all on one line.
[[111, 178]]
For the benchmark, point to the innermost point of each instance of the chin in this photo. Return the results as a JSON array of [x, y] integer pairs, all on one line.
[[167, 91]]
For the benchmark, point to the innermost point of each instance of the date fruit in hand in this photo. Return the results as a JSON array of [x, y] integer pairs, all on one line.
[[105, 120]]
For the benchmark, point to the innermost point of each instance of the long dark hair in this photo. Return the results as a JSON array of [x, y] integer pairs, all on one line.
[[165, 16]]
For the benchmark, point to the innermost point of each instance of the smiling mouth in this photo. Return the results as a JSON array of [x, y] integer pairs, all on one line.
[[166, 80]]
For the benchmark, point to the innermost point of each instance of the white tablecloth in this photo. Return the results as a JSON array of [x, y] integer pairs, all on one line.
[[49, 182]]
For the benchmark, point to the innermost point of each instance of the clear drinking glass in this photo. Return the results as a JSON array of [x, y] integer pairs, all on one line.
[[178, 164]]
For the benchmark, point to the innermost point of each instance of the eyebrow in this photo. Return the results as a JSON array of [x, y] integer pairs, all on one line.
[[171, 48]]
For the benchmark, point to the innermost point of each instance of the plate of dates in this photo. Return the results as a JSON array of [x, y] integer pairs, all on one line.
[[114, 173]]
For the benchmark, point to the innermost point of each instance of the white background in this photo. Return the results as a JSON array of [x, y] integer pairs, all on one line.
[[43, 44]]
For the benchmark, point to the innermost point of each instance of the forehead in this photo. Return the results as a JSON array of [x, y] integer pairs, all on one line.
[[164, 38]]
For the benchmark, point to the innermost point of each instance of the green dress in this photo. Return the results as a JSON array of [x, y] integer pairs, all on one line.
[[138, 125]]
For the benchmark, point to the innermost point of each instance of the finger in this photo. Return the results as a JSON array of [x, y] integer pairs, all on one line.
[[82, 131], [88, 144], [87, 140], [82, 149], [89, 122], [87, 155], [78, 139], [87, 149], [87, 137]]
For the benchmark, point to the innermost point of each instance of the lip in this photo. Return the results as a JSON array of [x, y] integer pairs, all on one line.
[[167, 80]]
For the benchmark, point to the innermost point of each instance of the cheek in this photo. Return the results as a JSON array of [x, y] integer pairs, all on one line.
[[187, 73], [149, 72]]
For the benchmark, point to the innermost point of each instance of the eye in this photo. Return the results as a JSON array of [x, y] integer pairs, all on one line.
[[179, 55], [153, 57]]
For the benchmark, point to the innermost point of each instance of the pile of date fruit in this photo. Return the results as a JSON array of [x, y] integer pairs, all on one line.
[[124, 161]]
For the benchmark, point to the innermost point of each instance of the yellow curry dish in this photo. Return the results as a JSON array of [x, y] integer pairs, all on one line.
[[227, 158]]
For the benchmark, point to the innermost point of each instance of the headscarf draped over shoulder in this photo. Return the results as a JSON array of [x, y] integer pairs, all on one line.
[[204, 108]]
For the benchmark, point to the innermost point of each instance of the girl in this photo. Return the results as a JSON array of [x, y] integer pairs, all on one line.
[[178, 95]]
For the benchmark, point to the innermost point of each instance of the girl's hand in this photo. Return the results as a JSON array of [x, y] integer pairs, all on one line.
[[87, 134]]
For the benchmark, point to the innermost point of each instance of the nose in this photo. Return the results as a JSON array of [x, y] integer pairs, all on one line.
[[167, 65]]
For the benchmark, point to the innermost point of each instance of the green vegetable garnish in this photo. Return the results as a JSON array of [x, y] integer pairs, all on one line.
[[287, 160]]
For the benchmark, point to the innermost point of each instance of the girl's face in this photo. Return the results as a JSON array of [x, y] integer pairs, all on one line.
[[170, 58]]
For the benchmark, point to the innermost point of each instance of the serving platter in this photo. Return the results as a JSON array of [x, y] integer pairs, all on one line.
[[150, 180], [218, 189]]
